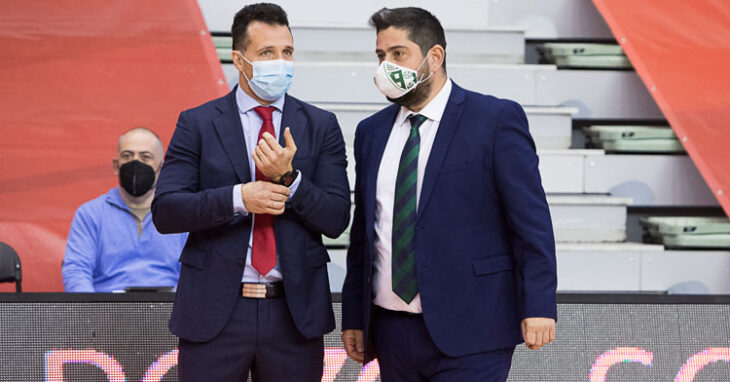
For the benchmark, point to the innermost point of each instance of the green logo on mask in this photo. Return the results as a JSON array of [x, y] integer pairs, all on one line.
[[397, 77], [400, 78]]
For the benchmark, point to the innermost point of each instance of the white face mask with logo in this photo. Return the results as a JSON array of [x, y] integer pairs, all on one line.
[[395, 81]]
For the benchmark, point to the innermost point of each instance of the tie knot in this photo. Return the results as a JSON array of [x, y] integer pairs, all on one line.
[[417, 120], [264, 112]]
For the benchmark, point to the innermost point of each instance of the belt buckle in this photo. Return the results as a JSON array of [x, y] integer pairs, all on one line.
[[253, 290]]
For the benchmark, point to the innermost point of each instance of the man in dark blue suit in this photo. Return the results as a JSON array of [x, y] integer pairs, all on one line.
[[253, 291], [452, 257]]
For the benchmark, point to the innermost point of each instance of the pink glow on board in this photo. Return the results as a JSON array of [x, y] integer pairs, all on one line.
[[616, 356], [695, 363], [55, 359]]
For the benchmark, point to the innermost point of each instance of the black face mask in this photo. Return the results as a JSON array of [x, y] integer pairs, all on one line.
[[136, 178]]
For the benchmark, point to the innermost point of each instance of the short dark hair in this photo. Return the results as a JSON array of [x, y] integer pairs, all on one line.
[[422, 27], [268, 13]]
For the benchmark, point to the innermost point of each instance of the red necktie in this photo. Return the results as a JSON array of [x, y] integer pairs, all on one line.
[[263, 251]]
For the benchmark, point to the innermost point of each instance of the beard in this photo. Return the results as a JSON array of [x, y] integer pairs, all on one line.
[[416, 96]]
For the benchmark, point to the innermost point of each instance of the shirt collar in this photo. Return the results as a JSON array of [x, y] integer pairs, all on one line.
[[246, 103], [114, 198], [434, 110]]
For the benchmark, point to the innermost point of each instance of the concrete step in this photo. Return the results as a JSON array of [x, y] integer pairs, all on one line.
[[339, 43], [576, 219], [604, 267], [550, 126], [617, 267], [588, 218], [569, 19], [337, 268], [686, 271], [471, 14], [352, 82], [598, 94], [562, 171], [612, 267], [650, 180], [641, 267]]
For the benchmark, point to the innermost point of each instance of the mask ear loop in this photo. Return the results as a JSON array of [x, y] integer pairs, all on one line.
[[249, 62], [420, 81]]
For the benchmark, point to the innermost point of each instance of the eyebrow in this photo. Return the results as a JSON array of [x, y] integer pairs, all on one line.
[[392, 48], [272, 47]]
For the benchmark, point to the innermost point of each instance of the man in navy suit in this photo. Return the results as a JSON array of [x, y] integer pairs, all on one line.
[[452, 258], [253, 291]]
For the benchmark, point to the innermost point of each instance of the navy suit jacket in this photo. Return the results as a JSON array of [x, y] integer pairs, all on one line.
[[206, 158], [485, 252]]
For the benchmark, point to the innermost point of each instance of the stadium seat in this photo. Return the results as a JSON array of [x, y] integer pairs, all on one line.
[[10, 266]]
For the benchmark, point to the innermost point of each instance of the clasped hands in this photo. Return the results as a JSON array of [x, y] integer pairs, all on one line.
[[273, 161], [536, 332]]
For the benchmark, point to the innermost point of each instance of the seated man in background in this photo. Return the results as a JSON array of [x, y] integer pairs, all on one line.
[[113, 243]]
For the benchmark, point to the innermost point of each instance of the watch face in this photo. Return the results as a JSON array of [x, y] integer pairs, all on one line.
[[288, 178]]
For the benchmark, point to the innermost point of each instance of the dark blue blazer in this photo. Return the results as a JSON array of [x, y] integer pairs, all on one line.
[[485, 253], [206, 158]]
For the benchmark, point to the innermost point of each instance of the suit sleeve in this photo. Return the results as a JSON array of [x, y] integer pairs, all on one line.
[[352, 290], [322, 200], [179, 205], [527, 212]]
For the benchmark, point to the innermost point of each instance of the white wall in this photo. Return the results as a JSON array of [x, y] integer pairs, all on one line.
[[467, 14]]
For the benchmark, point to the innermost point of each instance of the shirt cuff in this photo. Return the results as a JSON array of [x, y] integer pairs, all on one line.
[[295, 184], [238, 207]]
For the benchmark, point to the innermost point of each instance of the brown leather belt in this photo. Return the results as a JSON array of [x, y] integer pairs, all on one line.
[[263, 290]]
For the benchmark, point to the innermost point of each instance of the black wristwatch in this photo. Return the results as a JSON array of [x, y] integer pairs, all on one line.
[[288, 178]]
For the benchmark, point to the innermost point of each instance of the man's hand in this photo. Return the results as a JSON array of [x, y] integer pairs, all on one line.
[[354, 344], [273, 160], [264, 197], [538, 332]]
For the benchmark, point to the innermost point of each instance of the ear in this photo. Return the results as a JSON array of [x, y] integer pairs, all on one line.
[[115, 166], [436, 57], [238, 60]]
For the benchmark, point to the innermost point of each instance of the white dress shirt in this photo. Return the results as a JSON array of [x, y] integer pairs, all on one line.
[[251, 123], [385, 194]]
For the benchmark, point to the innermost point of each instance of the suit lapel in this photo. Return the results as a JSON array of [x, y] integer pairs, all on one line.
[[230, 132], [447, 128], [373, 156], [294, 119]]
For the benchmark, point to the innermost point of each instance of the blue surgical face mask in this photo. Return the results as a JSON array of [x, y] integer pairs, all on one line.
[[271, 78]]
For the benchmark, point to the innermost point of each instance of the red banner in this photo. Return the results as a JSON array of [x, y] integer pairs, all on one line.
[[74, 77], [681, 50]]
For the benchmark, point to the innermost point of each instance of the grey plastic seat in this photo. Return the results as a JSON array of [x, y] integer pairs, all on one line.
[[10, 270]]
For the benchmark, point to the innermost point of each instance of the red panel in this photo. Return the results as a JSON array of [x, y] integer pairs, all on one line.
[[681, 50], [74, 76]]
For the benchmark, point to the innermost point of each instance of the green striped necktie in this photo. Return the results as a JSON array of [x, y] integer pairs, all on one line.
[[405, 283]]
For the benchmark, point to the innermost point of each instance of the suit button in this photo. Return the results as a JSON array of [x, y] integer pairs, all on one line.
[[241, 262], [219, 219]]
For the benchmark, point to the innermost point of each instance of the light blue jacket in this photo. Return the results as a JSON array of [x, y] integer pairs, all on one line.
[[104, 251]]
